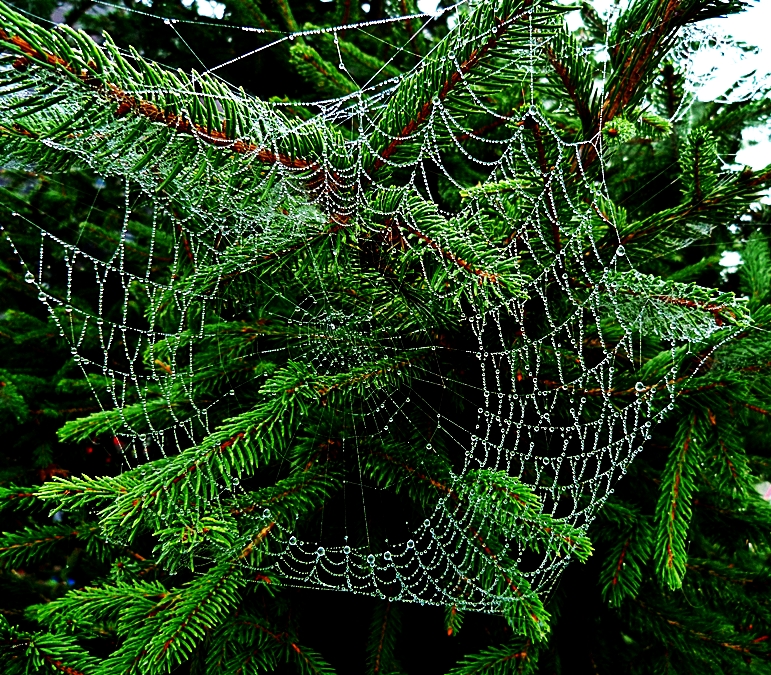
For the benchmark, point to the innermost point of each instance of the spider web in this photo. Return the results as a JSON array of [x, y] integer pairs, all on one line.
[[479, 358]]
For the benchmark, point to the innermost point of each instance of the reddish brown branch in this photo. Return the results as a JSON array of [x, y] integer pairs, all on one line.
[[381, 641], [698, 634], [264, 532], [531, 124], [186, 244], [633, 70], [408, 25], [140, 107], [620, 563], [449, 255], [713, 309], [756, 409], [631, 74], [581, 106], [676, 494]]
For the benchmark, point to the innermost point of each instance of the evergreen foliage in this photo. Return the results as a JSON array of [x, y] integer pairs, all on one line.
[[166, 555]]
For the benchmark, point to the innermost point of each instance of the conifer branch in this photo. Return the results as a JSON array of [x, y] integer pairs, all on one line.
[[384, 631], [700, 635], [450, 77], [635, 61], [146, 109], [532, 124], [452, 257], [562, 53], [517, 656], [673, 512]]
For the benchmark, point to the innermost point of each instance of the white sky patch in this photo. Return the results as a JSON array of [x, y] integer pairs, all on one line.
[[731, 260], [731, 63], [429, 7], [764, 489], [209, 8]]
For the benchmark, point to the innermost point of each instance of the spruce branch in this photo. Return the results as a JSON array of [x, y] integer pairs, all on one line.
[[249, 643], [384, 630], [673, 511], [731, 196], [239, 445], [21, 547], [755, 272], [90, 608], [420, 93], [641, 37], [25, 652], [514, 507], [518, 656], [573, 74], [93, 74], [14, 497], [324, 76], [630, 534], [453, 619]]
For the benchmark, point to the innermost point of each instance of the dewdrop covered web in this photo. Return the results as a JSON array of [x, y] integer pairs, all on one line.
[[534, 388]]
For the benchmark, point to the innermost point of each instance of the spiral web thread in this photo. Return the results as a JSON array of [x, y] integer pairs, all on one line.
[[515, 419]]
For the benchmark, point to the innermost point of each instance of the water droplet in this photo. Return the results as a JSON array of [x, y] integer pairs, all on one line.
[[620, 251], [639, 386], [320, 551], [292, 541], [29, 277], [266, 513], [371, 559], [410, 544], [387, 555], [346, 550], [426, 522]]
